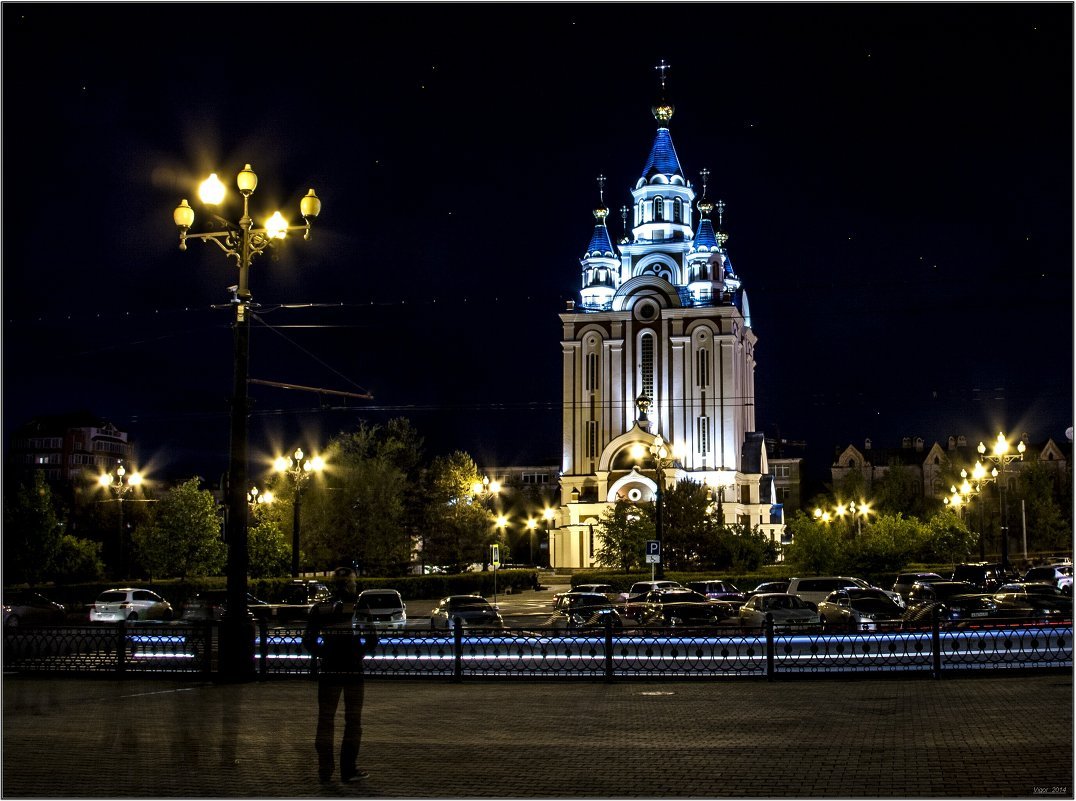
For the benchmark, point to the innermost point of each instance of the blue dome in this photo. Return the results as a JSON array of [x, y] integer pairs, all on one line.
[[662, 159], [705, 239], [600, 244]]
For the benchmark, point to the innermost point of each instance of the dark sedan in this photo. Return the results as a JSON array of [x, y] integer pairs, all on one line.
[[1033, 602], [574, 609], [213, 605], [28, 608], [683, 607], [958, 603], [717, 590], [470, 610], [854, 609]]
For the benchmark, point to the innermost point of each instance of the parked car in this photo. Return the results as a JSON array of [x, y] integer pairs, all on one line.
[[1060, 575], [384, 609], [575, 609], [305, 592], [814, 589], [643, 587], [788, 611], [213, 605], [958, 602], [679, 606], [904, 582], [1032, 601], [472, 610], [857, 609], [605, 589], [768, 586], [129, 603], [633, 600], [718, 590], [987, 576], [29, 608]]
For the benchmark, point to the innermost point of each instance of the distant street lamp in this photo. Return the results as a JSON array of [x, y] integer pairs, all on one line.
[[850, 510], [532, 524], [298, 471], [255, 497], [1002, 455], [485, 491], [241, 242], [121, 483]]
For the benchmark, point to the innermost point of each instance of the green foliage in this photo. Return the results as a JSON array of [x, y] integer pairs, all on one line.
[[458, 528], [624, 528], [184, 536], [946, 539], [361, 510], [77, 559], [815, 548], [269, 541], [1048, 526], [883, 545], [32, 531], [687, 527]]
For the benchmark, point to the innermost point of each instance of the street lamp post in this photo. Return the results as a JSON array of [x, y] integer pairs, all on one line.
[[298, 471], [241, 242], [850, 510], [663, 458], [121, 483], [532, 524], [1002, 455], [548, 514]]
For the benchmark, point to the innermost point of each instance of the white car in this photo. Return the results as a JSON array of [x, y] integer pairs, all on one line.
[[129, 603], [385, 610], [788, 611]]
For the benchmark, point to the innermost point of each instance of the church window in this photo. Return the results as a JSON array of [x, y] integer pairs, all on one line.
[[678, 210], [592, 438], [659, 209], [702, 435], [647, 366], [702, 367], [592, 371]]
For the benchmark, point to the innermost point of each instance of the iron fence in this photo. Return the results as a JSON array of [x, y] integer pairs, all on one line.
[[674, 653]]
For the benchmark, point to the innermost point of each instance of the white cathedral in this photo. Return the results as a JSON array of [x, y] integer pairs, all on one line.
[[659, 366]]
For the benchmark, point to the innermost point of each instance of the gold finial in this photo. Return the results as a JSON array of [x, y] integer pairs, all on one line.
[[720, 211], [601, 212], [705, 206], [664, 110]]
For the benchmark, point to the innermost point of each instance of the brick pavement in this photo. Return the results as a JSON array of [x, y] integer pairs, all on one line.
[[985, 736]]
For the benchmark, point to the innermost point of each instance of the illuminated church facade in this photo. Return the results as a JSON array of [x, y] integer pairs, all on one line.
[[659, 365]]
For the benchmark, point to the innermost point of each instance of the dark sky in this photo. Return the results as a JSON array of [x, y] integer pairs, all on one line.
[[898, 180]]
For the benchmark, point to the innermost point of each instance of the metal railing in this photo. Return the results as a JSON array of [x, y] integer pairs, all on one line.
[[126, 649]]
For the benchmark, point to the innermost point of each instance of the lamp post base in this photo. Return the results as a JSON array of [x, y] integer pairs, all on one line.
[[235, 651]]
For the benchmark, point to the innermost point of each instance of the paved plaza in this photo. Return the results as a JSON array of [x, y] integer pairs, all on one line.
[[1002, 735]]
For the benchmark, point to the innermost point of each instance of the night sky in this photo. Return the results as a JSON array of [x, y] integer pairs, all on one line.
[[898, 181]]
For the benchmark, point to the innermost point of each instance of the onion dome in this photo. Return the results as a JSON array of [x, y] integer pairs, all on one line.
[[600, 243]]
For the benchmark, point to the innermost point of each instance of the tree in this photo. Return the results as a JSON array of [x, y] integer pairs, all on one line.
[[899, 490], [32, 531], [946, 538], [78, 559], [184, 536], [363, 511], [269, 541], [687, 526], [458, 527], [815, 548], [885, 545], [625, 528], [1048, 528]]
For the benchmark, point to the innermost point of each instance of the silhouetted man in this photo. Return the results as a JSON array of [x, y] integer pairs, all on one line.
[[339, 647]]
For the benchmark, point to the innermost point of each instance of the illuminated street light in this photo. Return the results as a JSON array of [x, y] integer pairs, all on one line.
[[256, 497], [241, 242], [485, 491], [121, 484], [548, 514], [298, 471], [850, 510], [532, 524], [1002, 455]]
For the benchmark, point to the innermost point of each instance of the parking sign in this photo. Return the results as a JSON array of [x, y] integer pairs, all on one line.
[[653, 552]]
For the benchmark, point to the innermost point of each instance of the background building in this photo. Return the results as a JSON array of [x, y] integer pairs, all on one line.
[[67, 448]]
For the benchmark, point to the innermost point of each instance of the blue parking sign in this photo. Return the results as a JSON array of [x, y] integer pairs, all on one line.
[[653, 551]]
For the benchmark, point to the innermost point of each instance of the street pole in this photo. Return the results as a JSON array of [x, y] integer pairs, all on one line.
[[242, 243], [295, 524]]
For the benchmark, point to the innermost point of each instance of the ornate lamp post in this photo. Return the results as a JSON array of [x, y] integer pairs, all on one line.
[[121, 483], [485, 491], [241, 242], [850, 511], [298, 471], [532, 524], [1002, 455], [664, 457]]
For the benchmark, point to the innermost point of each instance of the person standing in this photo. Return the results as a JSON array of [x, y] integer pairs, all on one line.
[[338, 648]]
